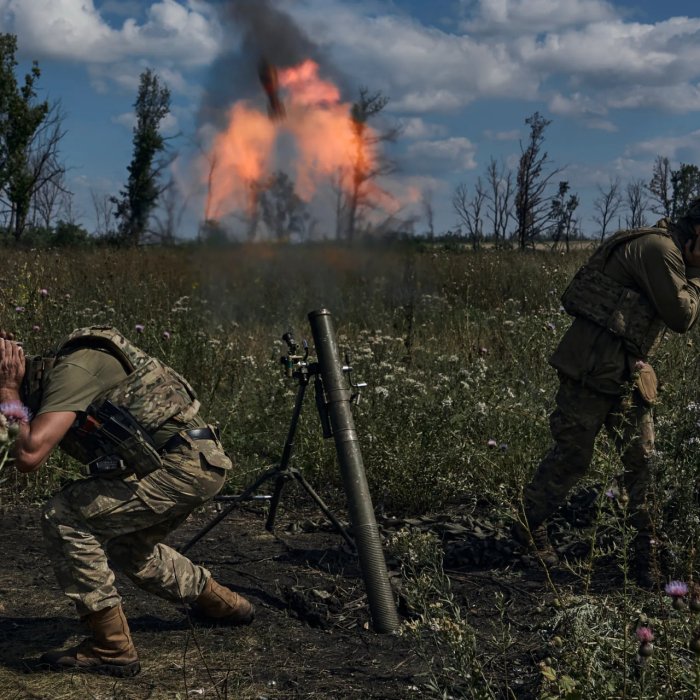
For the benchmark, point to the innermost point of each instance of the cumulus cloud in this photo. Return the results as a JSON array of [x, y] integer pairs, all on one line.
[[451, 154], [186, 33], [516, 17], [511, 135], [583, 56]]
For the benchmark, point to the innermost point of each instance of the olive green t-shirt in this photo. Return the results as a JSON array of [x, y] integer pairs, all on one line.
[[79, 377], [76, 379]]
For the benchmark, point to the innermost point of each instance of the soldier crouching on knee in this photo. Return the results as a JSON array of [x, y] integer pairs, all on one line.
[[151, 460], [636, 285]]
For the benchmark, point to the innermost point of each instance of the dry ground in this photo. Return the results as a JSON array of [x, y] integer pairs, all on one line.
[[309, 640]]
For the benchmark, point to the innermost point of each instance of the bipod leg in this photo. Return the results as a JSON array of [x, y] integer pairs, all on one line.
[[324, 508], [275, 500], [279, 470]]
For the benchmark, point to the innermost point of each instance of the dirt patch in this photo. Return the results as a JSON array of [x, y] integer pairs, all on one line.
[[311, 637]]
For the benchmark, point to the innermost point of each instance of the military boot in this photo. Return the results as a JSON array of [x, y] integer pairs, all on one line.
[[536, 540], [108, 651], [219, 604]]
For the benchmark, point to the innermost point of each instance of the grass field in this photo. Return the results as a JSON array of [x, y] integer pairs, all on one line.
[[454, 348]]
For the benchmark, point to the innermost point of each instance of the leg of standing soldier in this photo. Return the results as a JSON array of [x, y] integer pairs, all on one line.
[[579, 415], [632, 428]]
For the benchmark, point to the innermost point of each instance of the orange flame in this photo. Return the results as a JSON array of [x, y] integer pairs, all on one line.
[[324, 135]]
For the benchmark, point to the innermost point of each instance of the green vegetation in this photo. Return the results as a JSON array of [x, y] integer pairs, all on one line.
[[454, 347]]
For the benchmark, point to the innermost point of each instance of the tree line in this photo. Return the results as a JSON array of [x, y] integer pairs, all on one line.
[[507, 207]]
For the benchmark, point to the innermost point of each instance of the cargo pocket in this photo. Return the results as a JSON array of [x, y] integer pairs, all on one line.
[[647, 383], [211, 454]]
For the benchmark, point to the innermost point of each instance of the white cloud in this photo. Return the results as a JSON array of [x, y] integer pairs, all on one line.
[[456, 153], [532, 16], [582, 52], [417, 128], [186, 33], [677, 147], [512, 135]]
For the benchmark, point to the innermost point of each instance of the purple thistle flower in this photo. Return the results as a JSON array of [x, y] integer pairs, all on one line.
[[139, 327], [166, 335], [19, 309], [645, 635], [492, 443], [43, 292], [676, 589], [36, 328], [15, 412]]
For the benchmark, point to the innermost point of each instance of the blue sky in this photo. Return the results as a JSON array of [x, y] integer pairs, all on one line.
[[619, 80]]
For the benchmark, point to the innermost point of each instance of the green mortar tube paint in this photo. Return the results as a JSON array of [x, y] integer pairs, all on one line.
[[364, 525]]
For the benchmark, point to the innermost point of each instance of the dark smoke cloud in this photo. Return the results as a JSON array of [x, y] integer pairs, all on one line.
[[258, 29]]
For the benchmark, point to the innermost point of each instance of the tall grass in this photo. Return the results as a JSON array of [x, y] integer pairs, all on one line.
[[454, 348]]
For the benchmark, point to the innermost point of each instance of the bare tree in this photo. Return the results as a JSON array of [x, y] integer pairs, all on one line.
[[499, 200], [606, 205], [531, 204], [48, 199], [562, 215], [37, 177], [637, 204], [168, 216], [660, 187], [103, 208], [470, 211], [367, 164], [428, 211]]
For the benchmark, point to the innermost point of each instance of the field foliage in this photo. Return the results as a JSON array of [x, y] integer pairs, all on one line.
[[453, 345]]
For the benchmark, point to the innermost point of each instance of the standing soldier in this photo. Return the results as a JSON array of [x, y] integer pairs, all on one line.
[[151, 461], [637, 284]]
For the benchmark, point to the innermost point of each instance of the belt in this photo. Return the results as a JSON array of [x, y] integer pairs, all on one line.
[[178, 439]]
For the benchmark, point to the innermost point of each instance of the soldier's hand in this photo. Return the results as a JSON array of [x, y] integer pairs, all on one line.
[[692, 252], [12, 364]]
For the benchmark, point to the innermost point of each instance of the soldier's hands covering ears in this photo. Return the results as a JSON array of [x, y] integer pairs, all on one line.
[[12, 364]]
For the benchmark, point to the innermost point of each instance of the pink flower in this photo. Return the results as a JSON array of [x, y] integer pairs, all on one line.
[[15, 412], [19, 309], [676, 589], [639, 365], [139, 327], [36, 328], [645, 635], [492, 443], [166, 335], [43, 292]]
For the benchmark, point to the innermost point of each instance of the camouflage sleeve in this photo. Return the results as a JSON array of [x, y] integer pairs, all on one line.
[[69, 387], [672, 289]]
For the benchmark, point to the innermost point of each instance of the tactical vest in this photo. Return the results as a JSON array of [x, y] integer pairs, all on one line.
[[622, 311], [120, 421]]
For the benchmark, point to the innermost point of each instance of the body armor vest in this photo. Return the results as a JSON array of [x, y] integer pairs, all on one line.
[[117, 426], [622, 311]]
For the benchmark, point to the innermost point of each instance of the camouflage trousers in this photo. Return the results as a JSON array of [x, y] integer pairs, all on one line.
[[99, 522], [579, 416]]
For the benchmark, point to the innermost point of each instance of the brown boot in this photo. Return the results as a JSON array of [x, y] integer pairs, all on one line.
[[219, 604], [537, 541], [108, 651]]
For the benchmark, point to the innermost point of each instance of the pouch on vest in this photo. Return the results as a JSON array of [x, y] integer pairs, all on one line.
[[116, 438]]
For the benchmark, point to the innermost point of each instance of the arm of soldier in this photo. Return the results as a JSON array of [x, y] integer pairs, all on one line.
[[37, 438], [673, 289]]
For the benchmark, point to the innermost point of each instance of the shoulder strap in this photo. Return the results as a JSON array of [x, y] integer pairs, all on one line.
[[601, 256], [105, 338]]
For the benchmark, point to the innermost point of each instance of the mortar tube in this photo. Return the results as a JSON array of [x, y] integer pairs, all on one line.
[[364, 525]]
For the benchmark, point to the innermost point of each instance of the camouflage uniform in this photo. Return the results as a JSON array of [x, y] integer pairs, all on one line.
[[599, 377], [125, 517]]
